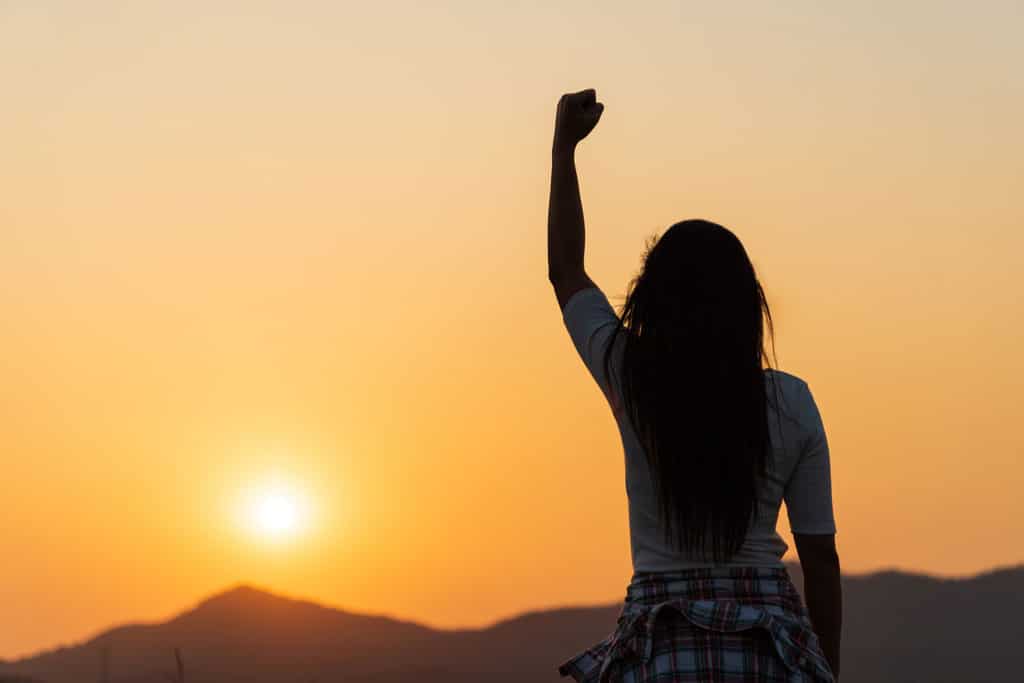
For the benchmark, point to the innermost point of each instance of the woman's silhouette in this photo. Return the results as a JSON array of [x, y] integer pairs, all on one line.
[[714, 441]]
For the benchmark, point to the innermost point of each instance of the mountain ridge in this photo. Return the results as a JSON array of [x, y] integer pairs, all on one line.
[[898, 626]]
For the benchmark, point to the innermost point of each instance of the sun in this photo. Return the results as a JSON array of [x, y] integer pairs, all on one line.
[[276, 511], [276, 514]]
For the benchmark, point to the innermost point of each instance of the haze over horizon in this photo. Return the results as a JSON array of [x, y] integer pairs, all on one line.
[[255, 599], [275, 301]]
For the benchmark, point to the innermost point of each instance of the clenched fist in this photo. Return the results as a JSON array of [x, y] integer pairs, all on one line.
[[577, 115]]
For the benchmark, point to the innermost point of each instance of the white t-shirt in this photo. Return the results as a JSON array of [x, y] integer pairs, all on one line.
[[801, 474]]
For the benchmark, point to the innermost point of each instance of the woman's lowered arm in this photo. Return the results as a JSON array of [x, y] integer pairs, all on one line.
[[822, 591]]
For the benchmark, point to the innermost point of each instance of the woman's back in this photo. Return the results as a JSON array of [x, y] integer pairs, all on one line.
[[798, 472], [713, 445]]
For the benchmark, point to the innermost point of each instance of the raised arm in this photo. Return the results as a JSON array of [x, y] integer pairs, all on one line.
[[577, 115]]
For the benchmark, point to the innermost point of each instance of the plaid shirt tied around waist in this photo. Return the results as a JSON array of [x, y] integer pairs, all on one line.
[[721, 609]]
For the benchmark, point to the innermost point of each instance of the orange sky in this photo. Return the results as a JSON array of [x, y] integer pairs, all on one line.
[[305, 240]]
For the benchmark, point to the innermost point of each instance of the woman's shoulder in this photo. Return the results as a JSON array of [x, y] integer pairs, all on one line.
[[790, 395], [785, 380]]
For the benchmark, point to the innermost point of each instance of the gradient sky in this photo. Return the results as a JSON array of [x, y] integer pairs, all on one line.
[[304, 241]]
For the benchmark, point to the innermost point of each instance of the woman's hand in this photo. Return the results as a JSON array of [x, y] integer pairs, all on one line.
[[577, 115]]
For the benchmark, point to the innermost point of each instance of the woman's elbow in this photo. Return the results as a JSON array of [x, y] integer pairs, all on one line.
[[817, 552]]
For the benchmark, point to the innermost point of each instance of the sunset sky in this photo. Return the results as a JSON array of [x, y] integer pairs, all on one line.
[[274, 302]]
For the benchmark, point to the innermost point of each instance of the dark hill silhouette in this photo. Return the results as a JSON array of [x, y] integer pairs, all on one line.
[[898, 627]]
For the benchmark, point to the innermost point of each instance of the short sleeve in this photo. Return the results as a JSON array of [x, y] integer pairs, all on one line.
[[808, 492], [591, 322]]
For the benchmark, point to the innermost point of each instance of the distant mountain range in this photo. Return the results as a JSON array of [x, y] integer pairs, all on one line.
[[897, 627]]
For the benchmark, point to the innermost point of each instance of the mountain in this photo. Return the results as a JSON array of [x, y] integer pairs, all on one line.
[[909, 627], [897, 627]]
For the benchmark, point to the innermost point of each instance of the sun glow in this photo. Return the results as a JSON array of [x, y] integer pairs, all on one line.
[[276, 511], [277, 514]]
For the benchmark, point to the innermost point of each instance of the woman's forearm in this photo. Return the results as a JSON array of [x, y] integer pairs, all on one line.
[[576, 116], [824, 598], [566, 232]]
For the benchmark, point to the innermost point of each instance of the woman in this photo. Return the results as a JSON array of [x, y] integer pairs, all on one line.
[[714, 441]]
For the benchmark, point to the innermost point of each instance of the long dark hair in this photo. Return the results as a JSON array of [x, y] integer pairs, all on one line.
[[693, 383]]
